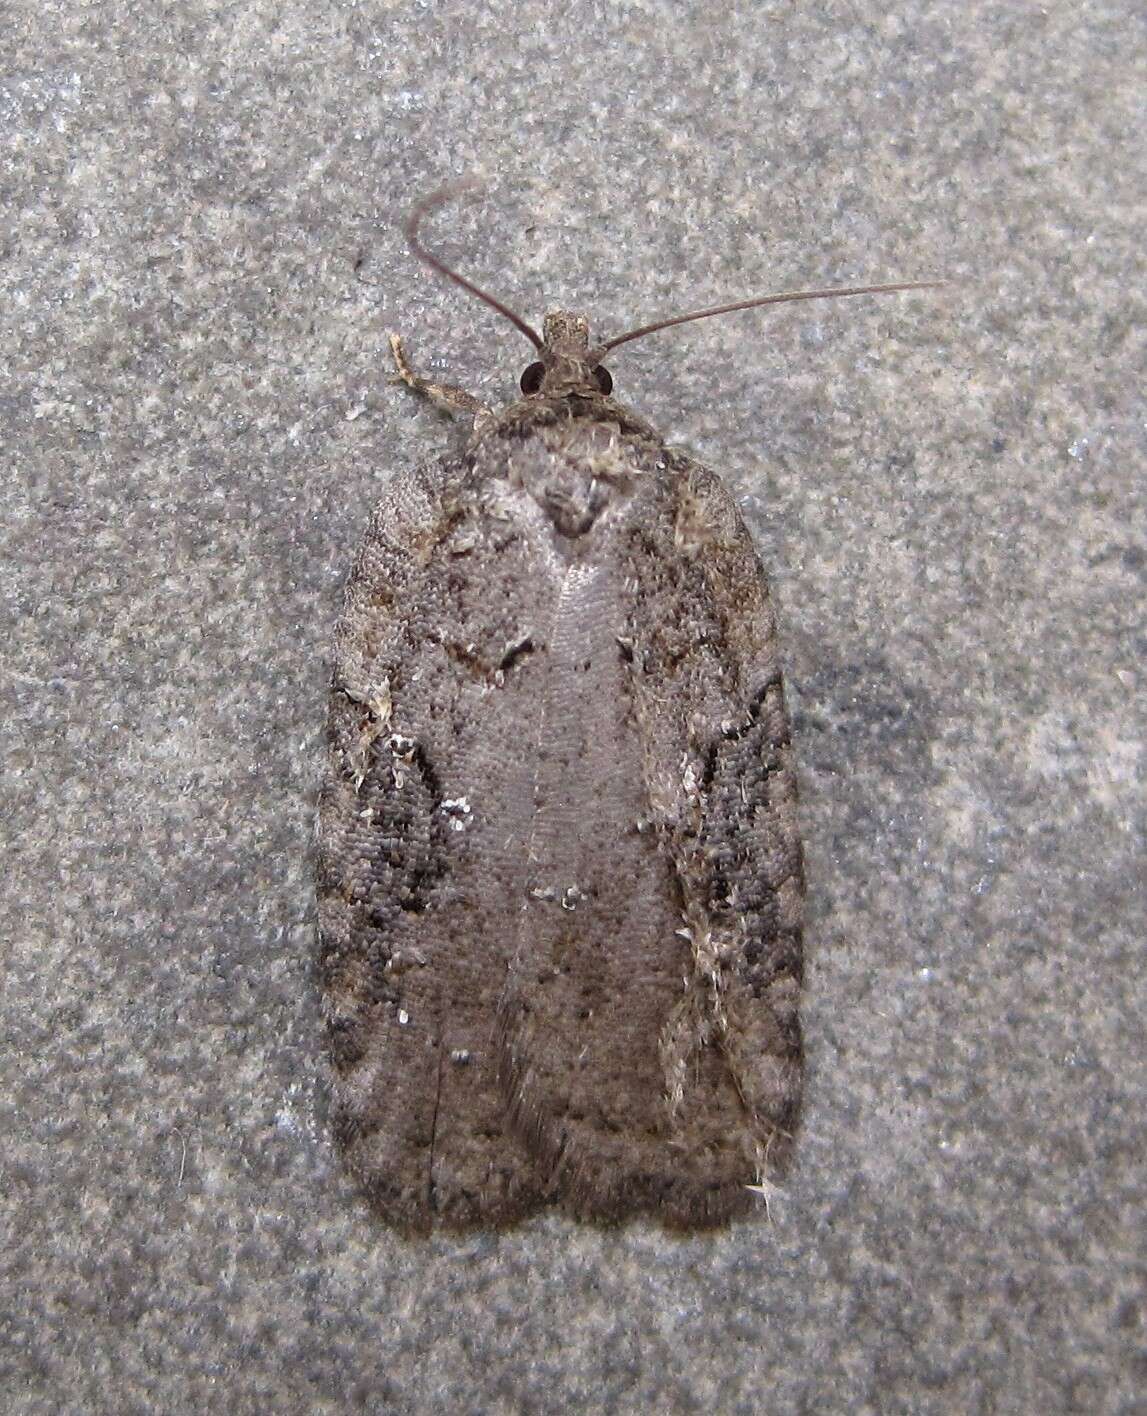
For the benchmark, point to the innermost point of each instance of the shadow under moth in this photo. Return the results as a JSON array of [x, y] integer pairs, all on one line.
[[560, 877]]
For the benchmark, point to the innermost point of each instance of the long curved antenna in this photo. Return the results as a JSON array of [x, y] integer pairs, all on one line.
[[414, 221], [771, 300]]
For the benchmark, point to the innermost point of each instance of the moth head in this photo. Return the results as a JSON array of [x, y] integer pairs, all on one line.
[[566, 362]]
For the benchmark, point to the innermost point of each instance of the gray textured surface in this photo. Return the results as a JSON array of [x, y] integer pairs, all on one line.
[[949, 491]]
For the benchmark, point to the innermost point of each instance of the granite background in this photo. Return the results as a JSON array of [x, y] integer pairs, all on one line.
[[200, 259]]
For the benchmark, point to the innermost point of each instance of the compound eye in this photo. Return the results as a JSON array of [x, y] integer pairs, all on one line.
[[532, 377], [603, 378]]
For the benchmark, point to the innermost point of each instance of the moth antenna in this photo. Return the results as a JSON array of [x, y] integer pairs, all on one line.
[[431, 203], [772, 300]]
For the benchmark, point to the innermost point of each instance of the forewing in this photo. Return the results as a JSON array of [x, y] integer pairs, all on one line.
[[420, 852], [651, 1045]]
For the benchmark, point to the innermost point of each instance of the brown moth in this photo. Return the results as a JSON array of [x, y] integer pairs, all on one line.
[[560, 877]]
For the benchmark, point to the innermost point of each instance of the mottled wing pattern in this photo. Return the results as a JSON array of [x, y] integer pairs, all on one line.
[[652, 1044], [560, 880], [417, 861]]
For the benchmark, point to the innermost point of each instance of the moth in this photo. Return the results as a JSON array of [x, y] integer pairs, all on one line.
[[559, 871]]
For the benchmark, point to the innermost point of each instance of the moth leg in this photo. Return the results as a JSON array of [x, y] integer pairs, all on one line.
[[448, 397]]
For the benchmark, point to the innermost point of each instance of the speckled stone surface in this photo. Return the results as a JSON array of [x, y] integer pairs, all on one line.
[[200, 260]]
